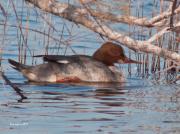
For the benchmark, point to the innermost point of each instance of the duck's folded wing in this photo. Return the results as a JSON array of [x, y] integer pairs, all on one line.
[[65, 59], [57, 58]]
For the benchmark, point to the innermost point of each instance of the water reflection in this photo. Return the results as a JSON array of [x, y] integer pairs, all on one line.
[[96, 108]]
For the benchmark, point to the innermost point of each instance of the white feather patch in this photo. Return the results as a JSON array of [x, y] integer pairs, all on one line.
[[32, 76], [63, 61]]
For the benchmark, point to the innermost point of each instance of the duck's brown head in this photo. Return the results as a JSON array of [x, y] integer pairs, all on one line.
[[110, 53]]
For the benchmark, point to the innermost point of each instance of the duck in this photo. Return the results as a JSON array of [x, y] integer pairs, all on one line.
[[100, 67]]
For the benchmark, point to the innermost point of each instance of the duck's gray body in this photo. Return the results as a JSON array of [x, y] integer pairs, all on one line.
[[58, 68]]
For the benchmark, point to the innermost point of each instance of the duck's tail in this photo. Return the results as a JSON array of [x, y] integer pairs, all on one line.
[[16, 65]]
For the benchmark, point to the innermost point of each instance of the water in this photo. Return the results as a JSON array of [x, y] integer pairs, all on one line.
[[139, 106], [128, 108]]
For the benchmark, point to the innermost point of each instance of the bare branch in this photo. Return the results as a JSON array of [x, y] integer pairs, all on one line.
[[75, 14], [16, 89], [162, 32], [172, 13]]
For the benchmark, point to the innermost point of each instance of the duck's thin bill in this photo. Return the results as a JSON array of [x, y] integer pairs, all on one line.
[[128, 61]]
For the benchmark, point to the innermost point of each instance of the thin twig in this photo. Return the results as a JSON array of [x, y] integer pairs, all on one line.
[[16, 89]]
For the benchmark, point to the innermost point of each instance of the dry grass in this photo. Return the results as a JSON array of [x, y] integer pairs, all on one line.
[[50, 34]]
